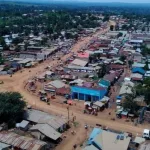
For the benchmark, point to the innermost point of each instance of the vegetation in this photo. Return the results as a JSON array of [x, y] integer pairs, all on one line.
[[144, 90], [35, 19], [145, 50], [1, 59], [102, 71], [130, 104], [123, 58], [11, 107], [120, 34], [130, 62], [111, 27]]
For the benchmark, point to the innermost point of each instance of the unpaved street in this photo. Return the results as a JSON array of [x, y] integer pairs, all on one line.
[[18, 80]]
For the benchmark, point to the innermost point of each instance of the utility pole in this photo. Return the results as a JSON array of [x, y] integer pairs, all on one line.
[[68, 114]]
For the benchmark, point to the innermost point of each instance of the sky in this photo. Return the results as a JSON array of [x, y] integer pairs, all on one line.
[[124, 1]]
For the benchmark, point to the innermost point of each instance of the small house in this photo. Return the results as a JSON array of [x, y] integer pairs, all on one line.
[[124, 114], [104, 83], [79, 62], [24, 125], [138, 70], [54, 85], [4, 146], [43, 131], [99, 105], [136, 77]]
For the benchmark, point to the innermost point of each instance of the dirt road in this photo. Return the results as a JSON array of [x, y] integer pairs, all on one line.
[[18, 80]]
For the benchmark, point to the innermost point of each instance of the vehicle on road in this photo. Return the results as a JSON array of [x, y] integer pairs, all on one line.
[[146, 133]]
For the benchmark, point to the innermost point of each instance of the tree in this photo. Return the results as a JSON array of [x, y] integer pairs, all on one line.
[[111, 27], [147, 96], [145, 50], [2, 41], [130, 62], [146, 66], [106, 18], [130, 104], [144, 90], [11, 107], [120, 34], [102, 71], [1, 59], [123, 58], [124, 27], [17, 40]]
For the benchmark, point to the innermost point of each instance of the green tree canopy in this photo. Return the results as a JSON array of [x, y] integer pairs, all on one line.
[[122, 58], [1, 59], [11, 107], [144, 90], [2, 41], [120, 34], [130, 104]]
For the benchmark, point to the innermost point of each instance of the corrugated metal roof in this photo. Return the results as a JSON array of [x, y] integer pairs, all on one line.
[[91, 147], [98, 103], [22, 142], [79, 62], [108, 141], [3, 145], [56, 83], [47, 131], [42, 117], [23, 124]]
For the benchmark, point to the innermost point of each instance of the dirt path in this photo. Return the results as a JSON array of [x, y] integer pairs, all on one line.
[[18, 80]]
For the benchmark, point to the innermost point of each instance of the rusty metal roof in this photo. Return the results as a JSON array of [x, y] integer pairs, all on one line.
[[21, 142]]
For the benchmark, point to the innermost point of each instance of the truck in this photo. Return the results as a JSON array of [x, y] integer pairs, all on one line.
[[146, 133]]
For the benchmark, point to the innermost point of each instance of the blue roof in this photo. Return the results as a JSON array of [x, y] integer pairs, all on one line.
[[104, 83], [94, 133], [119, 97], [101, 91], [139, 70], [124, 113]]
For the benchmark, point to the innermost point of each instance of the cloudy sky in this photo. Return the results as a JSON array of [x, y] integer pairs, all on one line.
[[125, 1]]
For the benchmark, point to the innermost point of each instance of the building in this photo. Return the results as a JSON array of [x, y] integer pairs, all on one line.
[[136, 42], [126, 88], [145, 146], [79, 62], [21, 142], [54, 85], [147, 74], [88, 94], [138, 70], [45, 131], [4, 146], [104, 83], [39, 117], [89, 70], [99, 105], [136, 77], [110, 77], [138, 65], [106, 140], [24, 125], [63, 91], [83, 56], [90, 147]]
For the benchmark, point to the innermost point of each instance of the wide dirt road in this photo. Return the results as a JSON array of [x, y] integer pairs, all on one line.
[[18, 80]]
